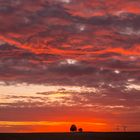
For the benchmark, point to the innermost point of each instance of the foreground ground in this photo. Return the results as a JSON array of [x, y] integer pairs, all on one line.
[[71, 136]]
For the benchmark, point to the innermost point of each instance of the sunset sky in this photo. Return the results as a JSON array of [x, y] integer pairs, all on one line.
[[66, 62]]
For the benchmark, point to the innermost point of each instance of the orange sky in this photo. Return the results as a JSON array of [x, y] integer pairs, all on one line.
[[60, 65]]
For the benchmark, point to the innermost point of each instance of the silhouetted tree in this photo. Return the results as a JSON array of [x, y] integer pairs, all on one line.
[[73, 128], [80, 129]]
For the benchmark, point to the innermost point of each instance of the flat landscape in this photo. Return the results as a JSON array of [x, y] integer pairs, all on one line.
[[72, 136]]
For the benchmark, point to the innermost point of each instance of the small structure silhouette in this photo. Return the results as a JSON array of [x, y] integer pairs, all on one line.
[[80, 129], [124, 128], [117, 128], [73, 128]]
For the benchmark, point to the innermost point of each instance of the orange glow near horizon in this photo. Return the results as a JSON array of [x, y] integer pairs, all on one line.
[[43, 126]]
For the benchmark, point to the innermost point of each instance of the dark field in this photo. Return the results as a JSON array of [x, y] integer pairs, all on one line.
[[71, 136]]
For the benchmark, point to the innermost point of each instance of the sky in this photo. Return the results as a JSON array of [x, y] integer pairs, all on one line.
[[65, 62]]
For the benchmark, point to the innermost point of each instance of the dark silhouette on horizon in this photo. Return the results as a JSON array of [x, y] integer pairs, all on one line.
[[80, 129], [121, 128], [73, 128]]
